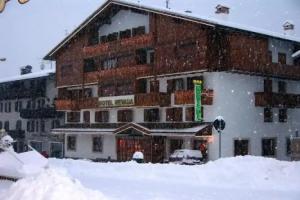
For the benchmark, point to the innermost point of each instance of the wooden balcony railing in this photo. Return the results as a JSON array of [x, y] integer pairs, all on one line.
[[85, 103], [118, 73], [135, 42], [152, 99], [187, 97], [263, 99], [91, 102], [67, 104]]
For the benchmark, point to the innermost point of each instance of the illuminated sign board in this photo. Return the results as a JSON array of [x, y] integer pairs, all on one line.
[[198, 105], [3, 3], [116, 101]]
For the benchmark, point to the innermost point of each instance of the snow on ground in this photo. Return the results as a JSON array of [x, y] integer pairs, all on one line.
[[229, 178]]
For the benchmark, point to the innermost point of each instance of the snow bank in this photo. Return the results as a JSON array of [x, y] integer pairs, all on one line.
[[235, 178], [50, 185]]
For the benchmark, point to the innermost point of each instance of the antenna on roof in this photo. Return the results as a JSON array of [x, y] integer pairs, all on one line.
[[167, 4]]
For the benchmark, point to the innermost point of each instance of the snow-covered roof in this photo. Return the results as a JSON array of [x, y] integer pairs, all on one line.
[[253, 16], [28, 76]]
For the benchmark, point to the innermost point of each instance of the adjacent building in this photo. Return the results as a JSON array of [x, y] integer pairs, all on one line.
[[125, 80], [27, 111]]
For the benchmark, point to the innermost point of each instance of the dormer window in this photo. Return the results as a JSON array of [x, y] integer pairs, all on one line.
[[288, 26], [222, 9]]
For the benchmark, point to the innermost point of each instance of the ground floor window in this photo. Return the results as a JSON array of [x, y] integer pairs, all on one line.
[[175, 144], [151, 115], [38, 146], [97, 144], [174, 114], [269, 147], [125, 115], [241, 147], [56, 149], [71, 142]]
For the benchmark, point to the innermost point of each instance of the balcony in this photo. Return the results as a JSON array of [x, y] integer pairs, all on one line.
[[126, 44], [85, 103], [152, 99], [184, 97], [118, 73], [263, 99], [40, 113], [16, 134], [66, 104]]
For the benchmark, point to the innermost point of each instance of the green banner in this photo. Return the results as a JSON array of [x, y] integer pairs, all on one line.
[[198, 103]]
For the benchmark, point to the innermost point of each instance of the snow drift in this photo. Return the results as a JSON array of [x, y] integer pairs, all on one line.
[[235, 178], [50, 185]]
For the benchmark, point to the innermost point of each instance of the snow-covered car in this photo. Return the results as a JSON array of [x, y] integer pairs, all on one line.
[[186, 157]]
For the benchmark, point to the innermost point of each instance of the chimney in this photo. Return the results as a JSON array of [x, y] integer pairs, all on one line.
[[26, 70], [167, 4], [221, 9], [288, 26]]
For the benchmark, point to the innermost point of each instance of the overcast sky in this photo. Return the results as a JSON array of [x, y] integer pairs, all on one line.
[[28, 32]]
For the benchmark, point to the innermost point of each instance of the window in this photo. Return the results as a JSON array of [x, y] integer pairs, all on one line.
[[241, 147], [141, 56], [32, 126], [28, 106], [16, 106], [97, 144], [103, 39], [154, 86], [124, 88], [141, 86], [174, 114], [8, 107], [93, 37], [282, 87], [269, 147], [71, 142], [65, 70], [86, 116], [125, 115], [138, 31], [267, 86], [174, 85], [109, 63], [19, 125], [125, 34], [20, 105], [190, 84], [107, 90], [283, 115], [55, 123], [73, 116], [151, 115], [37, 126], [1, 125], [112, 37], [268, 115], [89, 65], [282, 58], [288, 146], [6, 125], [1, 107], [101, 116], [28, 126], [42, 126], [190, 114]]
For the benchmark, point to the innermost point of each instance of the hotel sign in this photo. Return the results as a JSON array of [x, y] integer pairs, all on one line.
[[116, 101], [198, 103], [3, 3]]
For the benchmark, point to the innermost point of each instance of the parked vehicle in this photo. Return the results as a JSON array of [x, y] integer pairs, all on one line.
[[186, 157]]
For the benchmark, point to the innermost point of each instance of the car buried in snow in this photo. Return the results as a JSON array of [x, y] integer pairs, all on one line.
[[186, 157]]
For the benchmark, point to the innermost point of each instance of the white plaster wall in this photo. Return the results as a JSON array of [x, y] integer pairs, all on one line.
[[279, 46], [234, 100], [125, 19], [84, 147]]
